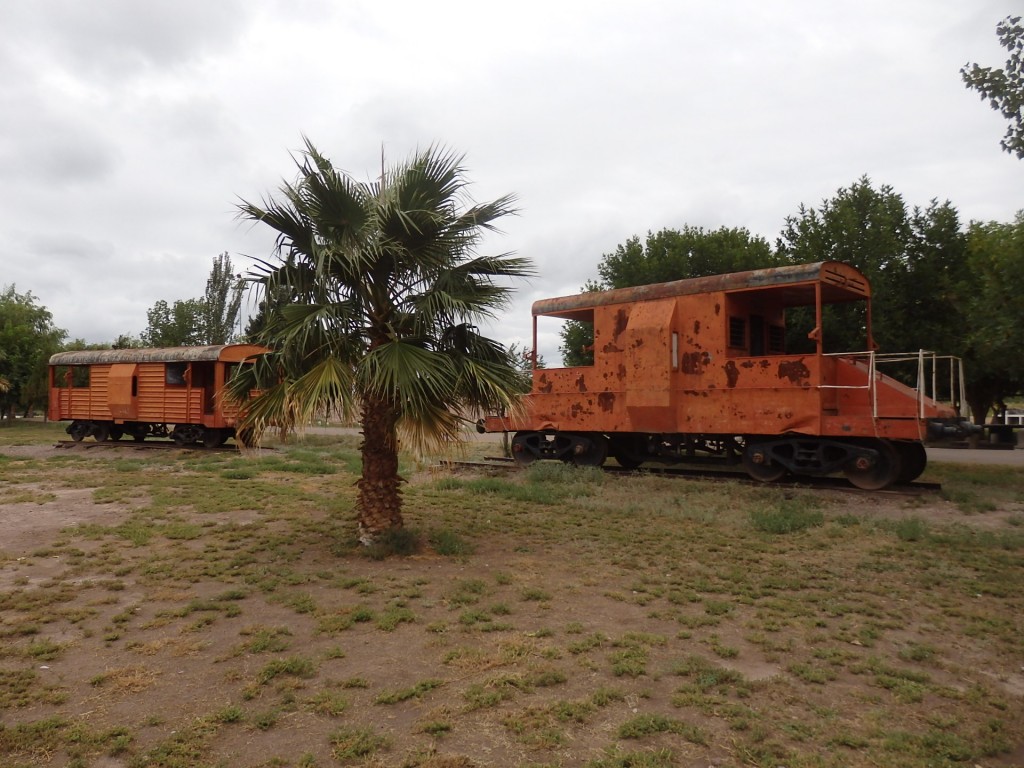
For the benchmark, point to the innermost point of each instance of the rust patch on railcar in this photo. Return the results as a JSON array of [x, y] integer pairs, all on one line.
[[576, 409], [610, 348], [795, 371], [732, 373], [694, 362], [606, 401], [718, 309], [621, 321], [696, 327], [581, 383], [544, 384]]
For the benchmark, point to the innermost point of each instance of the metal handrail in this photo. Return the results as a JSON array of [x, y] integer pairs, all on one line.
[[924, 358]]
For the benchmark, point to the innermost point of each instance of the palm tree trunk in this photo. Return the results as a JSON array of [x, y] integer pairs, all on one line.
[[379, 502]]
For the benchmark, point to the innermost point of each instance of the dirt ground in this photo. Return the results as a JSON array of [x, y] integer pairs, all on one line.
[[167, 669]]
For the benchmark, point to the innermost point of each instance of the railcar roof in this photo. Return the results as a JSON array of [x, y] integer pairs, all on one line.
[[224, 352], [840, 282]]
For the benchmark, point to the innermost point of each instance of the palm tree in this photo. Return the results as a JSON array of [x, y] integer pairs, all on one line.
[[374, 298]]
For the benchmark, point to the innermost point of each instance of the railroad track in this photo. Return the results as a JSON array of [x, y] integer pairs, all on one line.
[[823, 483], [146, 445]]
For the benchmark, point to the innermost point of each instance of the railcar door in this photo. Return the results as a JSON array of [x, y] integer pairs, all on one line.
[[649, 364], [123, 391]]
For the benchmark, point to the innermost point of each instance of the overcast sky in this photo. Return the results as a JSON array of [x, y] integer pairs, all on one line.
[[129, 130]]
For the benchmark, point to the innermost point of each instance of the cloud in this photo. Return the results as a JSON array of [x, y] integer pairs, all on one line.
[[131, 129]]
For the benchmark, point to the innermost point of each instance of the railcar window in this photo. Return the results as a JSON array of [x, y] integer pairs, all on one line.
[[175, 374], [737, 332], [776, 339], [756, 335], [71, 376], [572, 338]]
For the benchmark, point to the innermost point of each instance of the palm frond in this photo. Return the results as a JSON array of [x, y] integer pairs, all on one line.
[[376, 289], [326, 388], [271, 408]]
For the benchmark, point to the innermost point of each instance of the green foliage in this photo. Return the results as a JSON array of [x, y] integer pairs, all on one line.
[[377, 292], [645, 725], [1004, 88], [787, 516], [678, 254], [450, 544], [295, 666], [221, 302], [173, 325], [349, 743], [417, 691], [398, 542], [27, 339], [994, 326], [872, 230], [209, 319]]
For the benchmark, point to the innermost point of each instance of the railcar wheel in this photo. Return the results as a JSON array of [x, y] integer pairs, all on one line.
[[758, 464], [116, 433], [185, 434], [214, 438], [78, 430], [913, 460], [883, 473], [591, 451], [100, 431], [521, 453], [627, 451]]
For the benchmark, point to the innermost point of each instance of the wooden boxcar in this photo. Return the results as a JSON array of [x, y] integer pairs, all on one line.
[[176, 392], [699, 367]]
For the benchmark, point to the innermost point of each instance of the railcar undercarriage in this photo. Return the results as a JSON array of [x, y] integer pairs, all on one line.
[[868, 463], [181, 434]]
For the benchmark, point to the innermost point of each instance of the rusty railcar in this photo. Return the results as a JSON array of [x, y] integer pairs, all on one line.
[[699, 368], [175, 392]]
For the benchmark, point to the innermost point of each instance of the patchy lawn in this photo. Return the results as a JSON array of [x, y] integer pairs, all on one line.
[[213, 609]]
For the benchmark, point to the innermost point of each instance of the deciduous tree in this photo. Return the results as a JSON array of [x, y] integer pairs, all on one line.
[[27, 339], [1004, 88], [994, 321], [210, 319], [222, 302]]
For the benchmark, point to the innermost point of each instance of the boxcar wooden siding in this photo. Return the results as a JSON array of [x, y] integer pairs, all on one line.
[[157, 401]]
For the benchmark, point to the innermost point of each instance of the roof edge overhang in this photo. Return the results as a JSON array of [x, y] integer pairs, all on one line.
[[222, 352], [844, 280]]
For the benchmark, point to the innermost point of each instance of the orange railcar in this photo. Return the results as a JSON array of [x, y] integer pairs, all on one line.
[[176, 392], [699, 367]]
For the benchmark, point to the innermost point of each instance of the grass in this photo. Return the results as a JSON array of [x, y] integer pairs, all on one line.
[[579, 619]]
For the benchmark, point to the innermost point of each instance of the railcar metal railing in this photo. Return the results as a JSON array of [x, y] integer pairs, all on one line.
[[929, 365]]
